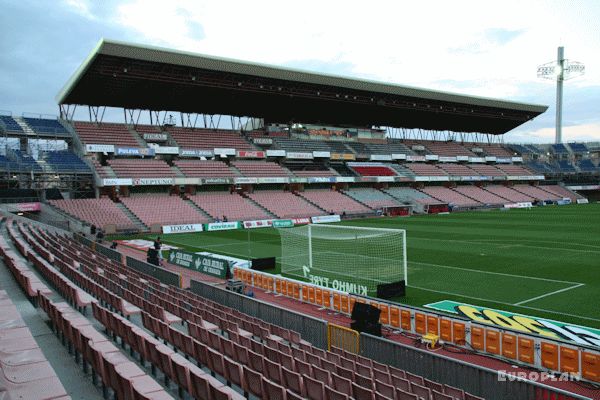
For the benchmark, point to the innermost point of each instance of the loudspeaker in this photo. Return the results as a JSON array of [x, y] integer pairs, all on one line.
[[261, 264], [389, 290], [362, 312], [368, 327]]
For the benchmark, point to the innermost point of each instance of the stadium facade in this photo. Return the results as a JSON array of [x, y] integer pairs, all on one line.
[[298, 148]]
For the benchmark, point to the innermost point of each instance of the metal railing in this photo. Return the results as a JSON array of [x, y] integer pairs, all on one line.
[[481, 381], [163, 275], [311, 329]]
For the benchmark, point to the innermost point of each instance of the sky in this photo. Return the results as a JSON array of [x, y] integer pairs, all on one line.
[[483, 48]]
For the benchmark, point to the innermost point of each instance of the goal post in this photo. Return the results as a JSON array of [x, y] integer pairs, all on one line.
[[353, 259]]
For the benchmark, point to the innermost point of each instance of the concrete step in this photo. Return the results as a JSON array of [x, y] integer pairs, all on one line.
[[137, 137], [26, 128], [310, 202], [199, 210], [177, 171], [248, 199], [138, 222]]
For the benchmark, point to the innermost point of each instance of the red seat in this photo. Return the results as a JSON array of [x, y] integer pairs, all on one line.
[[440, 396], [361, 393], [314, 389], [254, 382], [292, 381], [332, 394], [272, 390], [404, 395], [201, 383]]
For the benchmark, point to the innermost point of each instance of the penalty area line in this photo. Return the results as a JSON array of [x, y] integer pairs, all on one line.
[[549, 294], [507, 304]]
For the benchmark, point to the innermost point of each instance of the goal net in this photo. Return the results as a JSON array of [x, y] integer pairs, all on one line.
[[348, 258]]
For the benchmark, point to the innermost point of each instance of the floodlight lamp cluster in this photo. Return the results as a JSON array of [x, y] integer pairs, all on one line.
[[553, 70]]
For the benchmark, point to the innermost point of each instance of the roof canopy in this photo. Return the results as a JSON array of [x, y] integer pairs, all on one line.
[[117, 74]]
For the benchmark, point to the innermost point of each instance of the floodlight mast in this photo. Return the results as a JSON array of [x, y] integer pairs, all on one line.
[[561, 70]]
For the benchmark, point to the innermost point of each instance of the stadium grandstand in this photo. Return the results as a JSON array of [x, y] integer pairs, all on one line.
[[259, 147]]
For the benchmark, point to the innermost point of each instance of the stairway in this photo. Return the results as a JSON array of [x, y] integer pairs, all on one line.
[[141, 142], [465, 195], [356, 200], [266, 210], [310, 202], [109, 171], [44, 166], [177, 171], [137, 222], [26, 128], [199, 210], [235, 170]]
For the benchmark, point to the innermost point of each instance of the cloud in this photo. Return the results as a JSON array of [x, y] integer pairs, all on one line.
[[468, 46], [570, 133]]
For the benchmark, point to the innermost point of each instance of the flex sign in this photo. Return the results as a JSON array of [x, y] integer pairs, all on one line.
[[207, 265]]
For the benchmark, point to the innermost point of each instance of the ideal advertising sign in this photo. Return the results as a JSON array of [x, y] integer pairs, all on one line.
[[155, 137], [186, 228]]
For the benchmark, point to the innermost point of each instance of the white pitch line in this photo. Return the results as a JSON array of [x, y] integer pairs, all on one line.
[[501, 241], [507, 304], [495, 273], [548, 294], [537, 241]]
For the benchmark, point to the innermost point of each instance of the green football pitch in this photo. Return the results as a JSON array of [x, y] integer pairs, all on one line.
[[544, 261]]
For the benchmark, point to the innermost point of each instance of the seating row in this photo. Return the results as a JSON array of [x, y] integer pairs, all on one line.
[[310, 368]]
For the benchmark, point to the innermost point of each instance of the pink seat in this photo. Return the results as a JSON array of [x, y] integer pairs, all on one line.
[[385, 389], [453, 392], [332, 394], [440, 396], [412, 378], [404, 395], [292, 381], [272, 390], [314, 389], [272, 371], [44, 388], [433, 385], [201, 384], [225, 393], [254, 382], [20, 374], [420, 391], [361, 393]]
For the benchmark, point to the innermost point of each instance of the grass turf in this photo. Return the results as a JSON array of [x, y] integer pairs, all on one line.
[[543, 262]]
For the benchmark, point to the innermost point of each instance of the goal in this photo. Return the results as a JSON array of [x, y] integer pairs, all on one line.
[[352, 259]]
